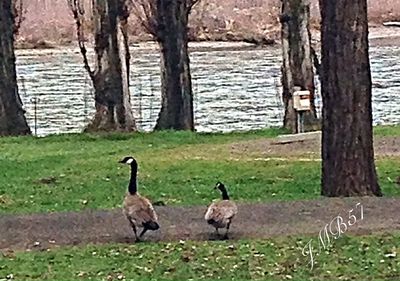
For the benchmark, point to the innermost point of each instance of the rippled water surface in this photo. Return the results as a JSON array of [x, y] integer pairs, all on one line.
[[234, 89]]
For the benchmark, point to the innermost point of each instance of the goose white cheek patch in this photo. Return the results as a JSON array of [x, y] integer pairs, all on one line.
[[129, 161]]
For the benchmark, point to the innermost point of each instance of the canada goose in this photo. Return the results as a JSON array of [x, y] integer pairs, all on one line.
[[220, 214], [138, 209]]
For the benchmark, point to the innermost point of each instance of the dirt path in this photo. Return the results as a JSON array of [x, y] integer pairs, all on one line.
[[40, 231]]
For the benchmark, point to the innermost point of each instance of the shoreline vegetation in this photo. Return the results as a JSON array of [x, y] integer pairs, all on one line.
[[379, 35], [49, 25]]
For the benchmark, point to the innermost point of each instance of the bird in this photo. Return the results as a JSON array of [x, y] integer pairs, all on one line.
[[138, 209], [221, 213]]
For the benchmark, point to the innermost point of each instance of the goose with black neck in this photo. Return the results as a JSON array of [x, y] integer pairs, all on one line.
[[221, 213], [138, 209]]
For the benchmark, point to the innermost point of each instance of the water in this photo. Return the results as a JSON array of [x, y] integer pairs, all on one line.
[[233, 89]]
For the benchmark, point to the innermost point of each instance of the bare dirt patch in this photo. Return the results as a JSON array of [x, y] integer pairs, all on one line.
[[384, 146]]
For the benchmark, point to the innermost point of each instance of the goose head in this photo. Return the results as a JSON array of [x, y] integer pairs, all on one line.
[[220, 186], [223, 190], [128, 160]]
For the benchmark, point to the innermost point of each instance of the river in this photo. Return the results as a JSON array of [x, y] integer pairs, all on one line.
[[234, 90]]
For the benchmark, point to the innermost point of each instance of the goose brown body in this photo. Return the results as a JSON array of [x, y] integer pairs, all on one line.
[[138, 209], [221, 213]]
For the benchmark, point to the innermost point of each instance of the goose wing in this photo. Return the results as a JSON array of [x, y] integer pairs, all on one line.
[[139, 209], [221, 211], [147, 211], [211, 212]]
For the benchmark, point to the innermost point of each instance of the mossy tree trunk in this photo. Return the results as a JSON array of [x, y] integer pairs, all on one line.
[[110, 76], [348, 167], [12, 115], [297, 68]]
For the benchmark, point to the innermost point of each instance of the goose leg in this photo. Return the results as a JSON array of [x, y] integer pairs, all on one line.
[[143, 232], [134, 230], [227, 230]]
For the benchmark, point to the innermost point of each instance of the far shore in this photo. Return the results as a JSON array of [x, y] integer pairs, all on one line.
[[379, 35]]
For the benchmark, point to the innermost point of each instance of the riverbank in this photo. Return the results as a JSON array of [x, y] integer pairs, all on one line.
[[378, 35]]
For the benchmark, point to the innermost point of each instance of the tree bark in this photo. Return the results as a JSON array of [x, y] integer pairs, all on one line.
[[111, 75], [12, 118], [348, 167], [176, 88], [297, 68]]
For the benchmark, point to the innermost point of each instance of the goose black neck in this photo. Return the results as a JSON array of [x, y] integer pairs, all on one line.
[[132, 188], [224, 193]]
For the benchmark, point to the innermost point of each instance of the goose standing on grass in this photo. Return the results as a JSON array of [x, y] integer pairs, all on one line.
[[220, 214], [138, 209]]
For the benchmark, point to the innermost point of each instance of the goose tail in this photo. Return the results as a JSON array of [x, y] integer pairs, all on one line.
[[151, 225]]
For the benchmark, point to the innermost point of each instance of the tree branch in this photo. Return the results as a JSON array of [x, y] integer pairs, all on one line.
[[18, 7], [191, 4], [78, 11], [145, 11]]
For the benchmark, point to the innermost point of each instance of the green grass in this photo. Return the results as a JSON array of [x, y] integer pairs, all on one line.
[[387, 131], [177, 168], [348, 258]]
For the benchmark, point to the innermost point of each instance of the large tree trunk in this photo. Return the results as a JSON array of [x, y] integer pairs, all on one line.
[[12, 118], [348, 167], [111, 75], [177, 97], [297, 68]]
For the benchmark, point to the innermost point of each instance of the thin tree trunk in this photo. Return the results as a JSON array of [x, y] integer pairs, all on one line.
[[297, 68], [111, 74], [348, 167], [177, 97], [12, 118]]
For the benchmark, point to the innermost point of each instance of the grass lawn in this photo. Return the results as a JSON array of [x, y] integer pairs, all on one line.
[[74, 172], [348, 258]]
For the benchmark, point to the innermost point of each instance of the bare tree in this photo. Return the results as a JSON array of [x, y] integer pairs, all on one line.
[[167, 21], [348, 167], [297, 68], [12, 118], [110, 76]]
